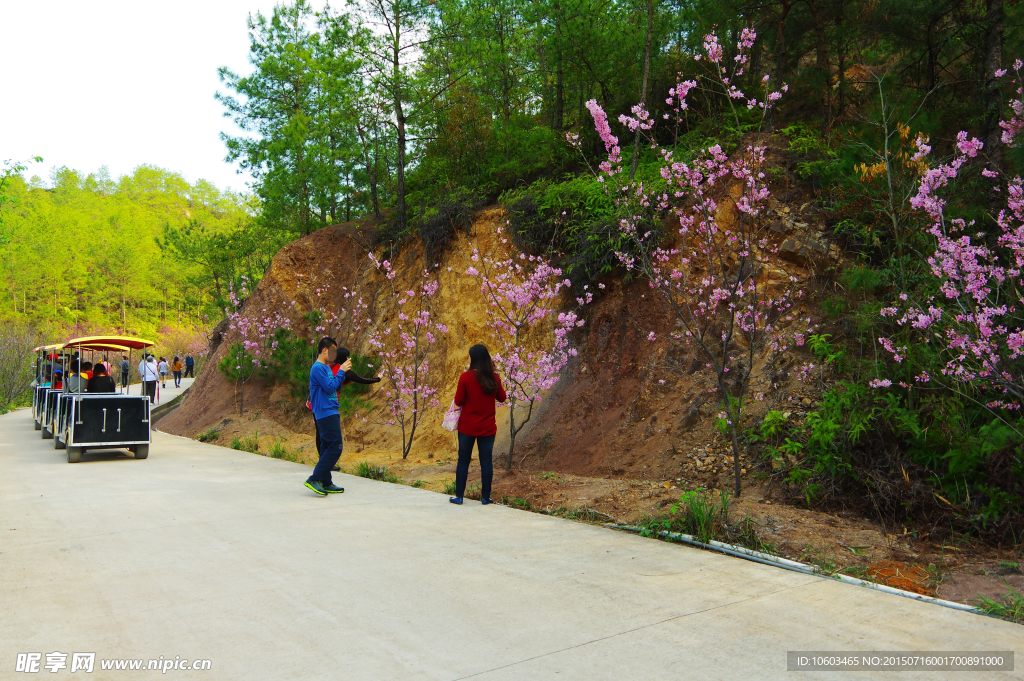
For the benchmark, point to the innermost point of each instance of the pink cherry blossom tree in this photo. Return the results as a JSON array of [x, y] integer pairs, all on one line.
[[405, 347], [253, 335], [732, 304], [976, 321], [530, 337]]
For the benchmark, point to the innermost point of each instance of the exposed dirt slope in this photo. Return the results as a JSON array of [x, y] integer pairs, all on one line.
[[611, 415]]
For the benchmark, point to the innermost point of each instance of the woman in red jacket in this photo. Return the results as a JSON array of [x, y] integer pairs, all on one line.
[[478, 390]]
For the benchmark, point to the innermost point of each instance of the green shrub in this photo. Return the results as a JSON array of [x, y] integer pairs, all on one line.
[[289, 363], [250, 443], [573, 222], [208, 435], [861, 279], [236, 443], [449, 487]]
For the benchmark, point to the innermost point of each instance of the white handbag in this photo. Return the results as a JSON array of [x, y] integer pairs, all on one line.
[[451, 417]]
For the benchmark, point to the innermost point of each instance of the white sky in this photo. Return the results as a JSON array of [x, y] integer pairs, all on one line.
[[86, 84]]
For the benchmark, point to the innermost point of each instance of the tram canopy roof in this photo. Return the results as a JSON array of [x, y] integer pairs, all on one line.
[[54, 346], [108, 343]]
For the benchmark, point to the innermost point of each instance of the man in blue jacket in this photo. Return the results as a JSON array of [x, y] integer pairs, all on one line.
[[323, 398]]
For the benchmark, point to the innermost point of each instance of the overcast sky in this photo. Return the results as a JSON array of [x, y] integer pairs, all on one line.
[[120, 84]]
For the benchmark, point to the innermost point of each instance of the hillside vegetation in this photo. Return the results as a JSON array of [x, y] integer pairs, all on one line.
[[143, 254]]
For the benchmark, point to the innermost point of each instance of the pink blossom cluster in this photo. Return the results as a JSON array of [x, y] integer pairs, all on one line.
[[1013, 127], [976, 321], [523, 294], [255, 330]]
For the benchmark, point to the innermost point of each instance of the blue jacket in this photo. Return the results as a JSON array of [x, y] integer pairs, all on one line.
[[323, 390]]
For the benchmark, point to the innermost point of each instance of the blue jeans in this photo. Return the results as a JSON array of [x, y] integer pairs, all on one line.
[[329, 430], [484, 446]]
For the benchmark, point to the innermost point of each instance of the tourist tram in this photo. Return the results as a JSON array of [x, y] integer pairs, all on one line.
[[47, 357], [110, 420]]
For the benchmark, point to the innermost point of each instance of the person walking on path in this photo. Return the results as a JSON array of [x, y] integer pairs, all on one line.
[[150, 375], [478, 389], [126, 370], [190, 365], [176, 368], [323, 398], [163, 366]]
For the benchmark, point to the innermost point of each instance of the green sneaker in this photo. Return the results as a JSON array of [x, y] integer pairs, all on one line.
[[316, 487], [333, 489]]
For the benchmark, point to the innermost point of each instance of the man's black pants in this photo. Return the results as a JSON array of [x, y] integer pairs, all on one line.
[[328, 430]]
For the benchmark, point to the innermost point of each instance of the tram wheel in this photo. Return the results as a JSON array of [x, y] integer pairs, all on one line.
[[74, 454], [38, 425], [141, 451], [46, 432], [57, 444]]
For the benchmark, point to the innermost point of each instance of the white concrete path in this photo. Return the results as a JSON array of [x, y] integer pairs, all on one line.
[[163, 395], [206, 552]]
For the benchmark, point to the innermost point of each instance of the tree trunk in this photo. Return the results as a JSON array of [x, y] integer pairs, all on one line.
[[781, 58], [821, 60], [511, 434], [559, 88], [643, 86], [396, 74], [993, 97]]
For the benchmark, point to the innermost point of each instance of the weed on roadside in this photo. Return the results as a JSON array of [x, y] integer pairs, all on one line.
[[418, 484], [582, 514], [516, 502], [209, 435], [278, 450], [705, 516], [236, 443], [822, 558], [449, 487], [1009, 607], [364, 469], [249, 443]]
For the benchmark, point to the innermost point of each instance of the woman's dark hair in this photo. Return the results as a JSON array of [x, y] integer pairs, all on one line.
[[100, 370], [343, 354], [480, 363]]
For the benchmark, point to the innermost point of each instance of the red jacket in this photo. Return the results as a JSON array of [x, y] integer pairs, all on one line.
[[477, 417]]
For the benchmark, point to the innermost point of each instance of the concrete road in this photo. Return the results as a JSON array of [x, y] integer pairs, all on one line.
[[163, 395], [201, 552]]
